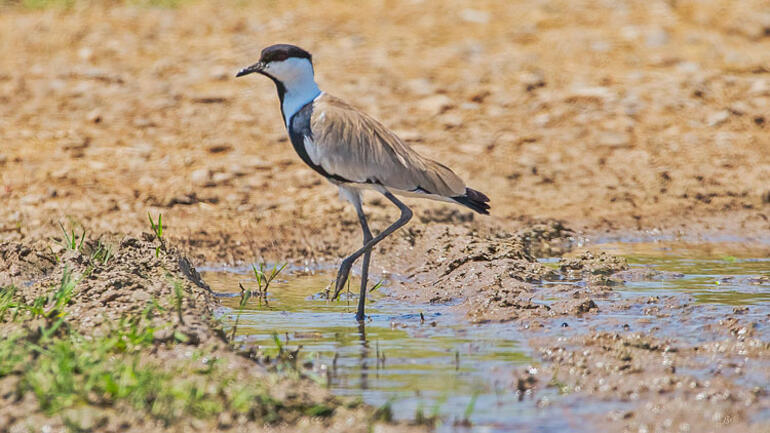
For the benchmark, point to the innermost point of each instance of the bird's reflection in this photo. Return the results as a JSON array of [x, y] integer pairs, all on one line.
[[364, 355]]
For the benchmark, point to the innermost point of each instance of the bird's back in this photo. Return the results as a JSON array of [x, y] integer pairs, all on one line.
[[352, 145]]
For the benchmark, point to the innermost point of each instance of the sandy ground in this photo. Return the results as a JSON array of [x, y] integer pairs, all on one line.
[[640, 115], [620, 119]]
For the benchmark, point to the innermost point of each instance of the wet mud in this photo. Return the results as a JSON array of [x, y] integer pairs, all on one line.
[[690, 357]]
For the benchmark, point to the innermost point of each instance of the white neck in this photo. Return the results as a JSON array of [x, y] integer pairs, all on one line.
[[296, 76], [298, 94]]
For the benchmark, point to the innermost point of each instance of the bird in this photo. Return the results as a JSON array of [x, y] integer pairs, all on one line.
[[355, 152]]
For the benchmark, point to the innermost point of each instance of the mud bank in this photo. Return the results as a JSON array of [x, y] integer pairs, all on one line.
[[119, 335], [653, 362], [657, 362]]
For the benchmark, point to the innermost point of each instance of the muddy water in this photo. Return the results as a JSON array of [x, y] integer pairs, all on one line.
[[444, 366], [437, 366], [720, 274]]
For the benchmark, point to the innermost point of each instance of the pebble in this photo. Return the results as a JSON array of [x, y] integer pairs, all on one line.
[[200, 176], [95, 165], [420, 86], [542, 120], [238, 170], [143, 149], [614, 139], [739, 108], [532, 80], [143, 122], [220, 73], [242, 118], [140, 296], [718, 118], [220, 178], [435, 104], [85, 53], [94, 116], [451, 120], [474, 16], [760, 87], [687, 67], [601, 94], [225, 420], [32, 199], [657, 38], [601, 46]]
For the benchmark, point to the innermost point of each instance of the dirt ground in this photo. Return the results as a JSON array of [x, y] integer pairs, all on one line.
[[622, 119], [639, 115]]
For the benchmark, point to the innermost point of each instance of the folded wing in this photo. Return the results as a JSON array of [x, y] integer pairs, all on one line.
[[352, 145]]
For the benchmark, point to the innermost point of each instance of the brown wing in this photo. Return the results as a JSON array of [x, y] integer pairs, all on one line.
[[352, 145]]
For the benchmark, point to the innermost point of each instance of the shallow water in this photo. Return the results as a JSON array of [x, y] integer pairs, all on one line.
[[435, 366], [448, 367], [711, 273]]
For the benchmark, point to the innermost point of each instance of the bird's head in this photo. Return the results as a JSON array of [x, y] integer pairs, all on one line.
[[285, 64]]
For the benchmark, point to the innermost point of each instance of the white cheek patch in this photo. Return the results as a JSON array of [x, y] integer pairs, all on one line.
[[291, 69]]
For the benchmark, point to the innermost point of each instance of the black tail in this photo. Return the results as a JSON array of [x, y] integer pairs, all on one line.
[[474, 200]]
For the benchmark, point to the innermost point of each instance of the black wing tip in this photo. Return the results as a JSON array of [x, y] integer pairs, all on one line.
[[474, 200], [476, 195]]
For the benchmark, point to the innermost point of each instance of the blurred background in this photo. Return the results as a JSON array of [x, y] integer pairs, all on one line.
[[610, 115]]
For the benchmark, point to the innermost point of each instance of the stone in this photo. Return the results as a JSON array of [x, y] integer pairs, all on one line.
[[94, 116], [200, 177], [532, 80], [220, 178], [657, 38], [451, 120], [760, 87], [598, 94], [474, 16], [435, 104], [614, 139], [542, 120], [420, 86], [143, 149], [718, 118]]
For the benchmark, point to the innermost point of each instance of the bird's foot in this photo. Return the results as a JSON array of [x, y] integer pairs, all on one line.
[[342, 277]]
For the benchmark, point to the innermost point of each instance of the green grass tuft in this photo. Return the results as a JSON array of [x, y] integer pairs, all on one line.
[[66, 370], [71, 240], [157, 229]]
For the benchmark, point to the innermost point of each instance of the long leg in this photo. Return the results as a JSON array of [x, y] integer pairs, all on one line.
[[354, 197], [406, 215], [365, 265]]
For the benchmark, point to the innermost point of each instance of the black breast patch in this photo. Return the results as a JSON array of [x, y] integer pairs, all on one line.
[[299, 128]]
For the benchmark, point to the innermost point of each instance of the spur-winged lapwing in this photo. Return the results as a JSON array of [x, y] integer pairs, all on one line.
[[354, 152]]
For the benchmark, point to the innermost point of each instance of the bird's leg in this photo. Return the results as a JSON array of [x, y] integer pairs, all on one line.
[[365, 265], [406, 215]]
